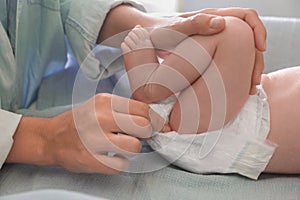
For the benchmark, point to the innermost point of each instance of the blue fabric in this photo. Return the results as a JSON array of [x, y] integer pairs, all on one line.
[[33, 43], [168, 183]]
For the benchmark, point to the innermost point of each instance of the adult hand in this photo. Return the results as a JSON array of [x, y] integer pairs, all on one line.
[[257, 71], [251, 17], [80, 140]]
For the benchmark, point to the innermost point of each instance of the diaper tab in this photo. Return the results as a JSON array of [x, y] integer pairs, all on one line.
[[253, 159]]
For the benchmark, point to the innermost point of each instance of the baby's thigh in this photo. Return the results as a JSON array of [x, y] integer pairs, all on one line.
[[283, 91], [219, 94], [208, 104]]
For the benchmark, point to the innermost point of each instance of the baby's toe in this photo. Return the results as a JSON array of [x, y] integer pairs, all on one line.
[[134, 37], [130, 43], [141, 33], [125, 48]]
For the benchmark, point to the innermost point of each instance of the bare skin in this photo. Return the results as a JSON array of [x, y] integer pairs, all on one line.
[[61, 140], [56, 141], [203, 22], [234, 62], [196, 59], [283, 90]]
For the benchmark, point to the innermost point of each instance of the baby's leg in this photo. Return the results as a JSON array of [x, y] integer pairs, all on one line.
[[283, 91], [139, 57], [138, 48], [152, 81], [224, 87]]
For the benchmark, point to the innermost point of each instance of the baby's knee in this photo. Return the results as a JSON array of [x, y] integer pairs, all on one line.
[[239, 32]]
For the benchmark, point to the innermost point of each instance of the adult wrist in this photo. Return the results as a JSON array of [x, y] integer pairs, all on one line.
[[30, 141]]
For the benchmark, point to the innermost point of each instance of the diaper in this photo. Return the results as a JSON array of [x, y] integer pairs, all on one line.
[[240, 147]]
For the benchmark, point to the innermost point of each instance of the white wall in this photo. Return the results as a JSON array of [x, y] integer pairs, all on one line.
[[165, 6], [284, 8]]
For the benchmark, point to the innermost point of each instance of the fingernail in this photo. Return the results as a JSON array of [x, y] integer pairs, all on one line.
[[216, 22]]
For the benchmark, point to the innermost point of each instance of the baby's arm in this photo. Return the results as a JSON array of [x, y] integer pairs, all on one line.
[[152, 81]]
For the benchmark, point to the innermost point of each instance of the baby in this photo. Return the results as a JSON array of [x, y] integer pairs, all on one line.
[[211, 77]]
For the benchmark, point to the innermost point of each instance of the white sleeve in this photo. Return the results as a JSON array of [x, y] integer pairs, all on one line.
[[8, 125]]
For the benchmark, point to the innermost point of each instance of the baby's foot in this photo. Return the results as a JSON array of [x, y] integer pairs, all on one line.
[[138, 49], [138, 38]]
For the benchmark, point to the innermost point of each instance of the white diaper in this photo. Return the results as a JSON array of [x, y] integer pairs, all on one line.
[[240, 147]]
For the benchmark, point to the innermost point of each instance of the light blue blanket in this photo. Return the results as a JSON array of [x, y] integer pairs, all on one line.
[[168, 183]]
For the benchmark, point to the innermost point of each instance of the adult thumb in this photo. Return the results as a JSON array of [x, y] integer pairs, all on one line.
[[208, 24], [217, 23], [205, 23]]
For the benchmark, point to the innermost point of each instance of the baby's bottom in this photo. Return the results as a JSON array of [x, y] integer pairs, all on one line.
[[219, 94], [283, 91]]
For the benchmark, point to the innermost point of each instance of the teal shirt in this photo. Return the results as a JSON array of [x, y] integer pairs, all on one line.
[[33, 35]]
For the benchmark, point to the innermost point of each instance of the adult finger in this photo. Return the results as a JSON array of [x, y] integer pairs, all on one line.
[[180, 28], [111, 142], [139, 109], [109, 164], [129, 106], [200, 23], [124, 144], [132, 125], [248, 15], [257, 71]]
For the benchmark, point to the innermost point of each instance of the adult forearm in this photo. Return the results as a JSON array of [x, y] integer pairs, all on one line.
[[123, 18]]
